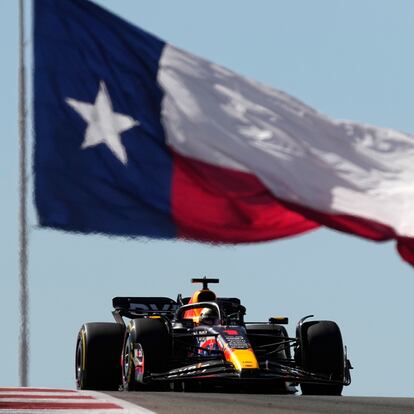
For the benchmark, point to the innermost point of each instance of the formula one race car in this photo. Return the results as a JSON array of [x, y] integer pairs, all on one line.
[[203, 341]]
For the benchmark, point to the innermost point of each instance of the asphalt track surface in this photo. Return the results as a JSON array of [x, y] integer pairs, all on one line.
[[217, 403]]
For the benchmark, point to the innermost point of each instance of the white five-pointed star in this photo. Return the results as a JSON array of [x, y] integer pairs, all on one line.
[[104, 125]]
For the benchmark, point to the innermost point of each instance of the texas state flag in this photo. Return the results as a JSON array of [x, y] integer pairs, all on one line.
[[137, 137]]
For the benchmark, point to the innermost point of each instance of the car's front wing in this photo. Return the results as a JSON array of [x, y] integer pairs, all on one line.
[[221, 370]]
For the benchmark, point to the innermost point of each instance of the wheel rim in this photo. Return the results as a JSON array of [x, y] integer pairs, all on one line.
[[139, 362], [126, 361], [133, 363], [78, 364]]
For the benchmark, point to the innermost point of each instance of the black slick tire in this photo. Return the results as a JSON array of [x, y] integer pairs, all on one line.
[[98, 352], [322, 352]]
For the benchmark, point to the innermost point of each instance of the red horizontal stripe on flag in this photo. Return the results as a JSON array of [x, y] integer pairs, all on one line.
[[21, 405], [359, 226], [218, 204], [405, 247]]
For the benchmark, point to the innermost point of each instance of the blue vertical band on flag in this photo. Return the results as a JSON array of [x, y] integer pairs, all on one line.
[[101, 163]]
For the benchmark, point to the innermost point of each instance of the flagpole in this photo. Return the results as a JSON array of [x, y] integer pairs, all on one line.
[[23, 239]]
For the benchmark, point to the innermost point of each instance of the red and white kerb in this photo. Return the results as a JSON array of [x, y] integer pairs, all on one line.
[[44, 400]]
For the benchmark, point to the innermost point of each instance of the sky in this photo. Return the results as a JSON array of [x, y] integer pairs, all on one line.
[[348, 59]]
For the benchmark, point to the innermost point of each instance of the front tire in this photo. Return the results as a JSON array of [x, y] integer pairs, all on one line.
[[147, 349], [98, 349], [322, 352]]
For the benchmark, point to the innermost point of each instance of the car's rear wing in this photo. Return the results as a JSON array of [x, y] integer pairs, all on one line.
[[132, 307]]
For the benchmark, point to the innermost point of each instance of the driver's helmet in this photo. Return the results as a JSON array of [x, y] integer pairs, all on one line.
[[208, 316], [203, 295]]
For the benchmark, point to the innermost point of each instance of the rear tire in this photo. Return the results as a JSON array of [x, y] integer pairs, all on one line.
[[146, 349], [98, 350], [322, 352]]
